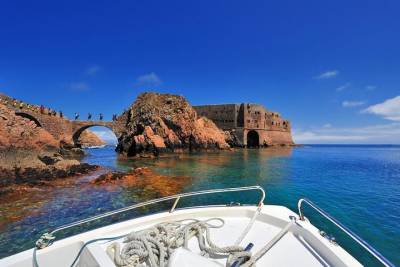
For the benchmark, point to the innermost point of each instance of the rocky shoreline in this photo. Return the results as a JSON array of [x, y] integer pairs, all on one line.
[[30, 155], [31, 168]]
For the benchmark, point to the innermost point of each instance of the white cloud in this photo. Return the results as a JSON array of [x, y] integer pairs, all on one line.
[[327, 125], [370, 87], [343, 87], [149, 79], [389, 109], [373, 134], [328, 74], [92, 70], [351, 104], [78, 86]]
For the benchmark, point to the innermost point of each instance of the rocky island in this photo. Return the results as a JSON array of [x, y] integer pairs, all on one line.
[[163, 122], [90, 139], [158, 123]]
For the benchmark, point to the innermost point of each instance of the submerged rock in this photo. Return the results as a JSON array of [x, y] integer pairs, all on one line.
[[150, 183], [164, 122]]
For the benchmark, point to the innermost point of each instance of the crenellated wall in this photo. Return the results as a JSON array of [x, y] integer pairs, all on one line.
[[246, 119]]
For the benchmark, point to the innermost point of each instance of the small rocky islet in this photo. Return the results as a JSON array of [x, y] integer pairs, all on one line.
[[154, 124]]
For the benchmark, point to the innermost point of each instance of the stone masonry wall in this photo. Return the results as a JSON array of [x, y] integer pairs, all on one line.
[[240, 119], [225, 116]]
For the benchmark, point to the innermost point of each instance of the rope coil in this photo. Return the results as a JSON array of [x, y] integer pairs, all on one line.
[[156, 244]]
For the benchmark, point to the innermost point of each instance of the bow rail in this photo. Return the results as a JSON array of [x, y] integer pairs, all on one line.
[[350, 233], [48, 238]]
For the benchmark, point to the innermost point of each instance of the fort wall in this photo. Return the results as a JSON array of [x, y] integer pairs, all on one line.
[[225, 116], [252, 124]]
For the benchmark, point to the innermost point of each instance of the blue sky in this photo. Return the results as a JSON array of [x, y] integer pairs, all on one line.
[[331, 67]]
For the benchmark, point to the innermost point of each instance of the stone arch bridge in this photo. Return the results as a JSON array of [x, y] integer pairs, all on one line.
[[69, 130]]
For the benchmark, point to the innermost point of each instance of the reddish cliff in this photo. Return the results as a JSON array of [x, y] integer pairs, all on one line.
[[89, 139], [20, 133], [29, 153], [165, 122]]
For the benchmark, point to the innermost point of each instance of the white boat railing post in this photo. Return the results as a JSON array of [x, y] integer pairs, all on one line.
[[350, 233], [174, 206]]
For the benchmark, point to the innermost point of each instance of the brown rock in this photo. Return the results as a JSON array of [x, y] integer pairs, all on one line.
[[165, 122], [18, 132], [29, 154], [89, 139]]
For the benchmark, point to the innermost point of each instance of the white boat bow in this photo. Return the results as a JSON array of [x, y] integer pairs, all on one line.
[[220, 235]]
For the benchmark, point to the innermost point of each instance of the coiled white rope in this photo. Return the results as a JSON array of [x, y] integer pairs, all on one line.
[[155, 245]]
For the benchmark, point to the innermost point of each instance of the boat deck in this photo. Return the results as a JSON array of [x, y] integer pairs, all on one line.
[[301, 246]]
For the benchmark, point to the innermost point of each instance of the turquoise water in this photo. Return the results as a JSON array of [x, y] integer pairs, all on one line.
[[358, 185]]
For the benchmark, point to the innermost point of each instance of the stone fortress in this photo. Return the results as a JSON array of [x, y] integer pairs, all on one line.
[[251, 124]]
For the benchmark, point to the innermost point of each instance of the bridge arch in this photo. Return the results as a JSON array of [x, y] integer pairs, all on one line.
[[253, 139], [29, 117], [77, 133]]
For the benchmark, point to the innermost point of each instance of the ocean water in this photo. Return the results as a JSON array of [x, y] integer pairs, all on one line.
[[358, 185]]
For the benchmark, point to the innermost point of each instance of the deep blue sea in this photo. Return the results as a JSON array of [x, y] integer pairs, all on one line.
[[358, 185]]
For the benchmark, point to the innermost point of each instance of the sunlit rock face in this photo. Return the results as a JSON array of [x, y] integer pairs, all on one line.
[[89, 139], [165, 122], [19, 132], [29, 153]]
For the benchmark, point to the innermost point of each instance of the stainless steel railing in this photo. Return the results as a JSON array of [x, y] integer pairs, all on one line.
[[47, 238], [350, 233]]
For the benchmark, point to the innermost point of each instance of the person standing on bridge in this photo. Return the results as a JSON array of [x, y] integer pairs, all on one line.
[[101, 116], [89, 116], [76, 116]]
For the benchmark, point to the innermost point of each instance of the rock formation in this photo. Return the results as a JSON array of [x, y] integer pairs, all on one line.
[[29, 153], [89, 139], [165, 122]]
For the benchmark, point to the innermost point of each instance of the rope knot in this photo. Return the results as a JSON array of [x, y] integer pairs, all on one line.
[[45, 240]]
